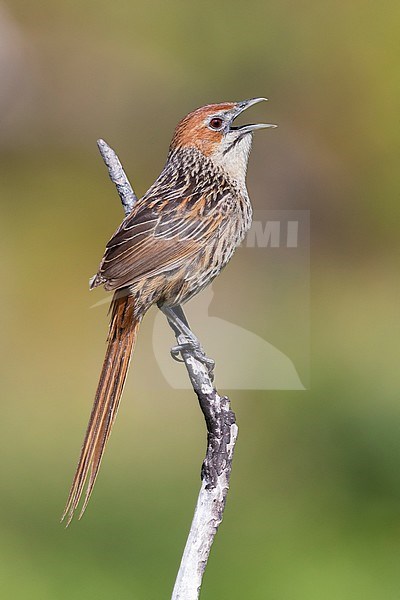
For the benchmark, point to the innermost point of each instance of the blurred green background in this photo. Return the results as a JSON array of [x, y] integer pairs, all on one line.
[[314, 507]]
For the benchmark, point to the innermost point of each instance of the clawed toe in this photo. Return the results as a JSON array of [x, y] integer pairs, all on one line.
[[175, 353], [196, 350]]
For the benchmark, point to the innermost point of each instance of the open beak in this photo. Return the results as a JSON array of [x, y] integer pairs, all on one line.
[[239, 108]]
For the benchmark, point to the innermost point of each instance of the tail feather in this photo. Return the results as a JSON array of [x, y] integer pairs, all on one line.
[[121, 340]]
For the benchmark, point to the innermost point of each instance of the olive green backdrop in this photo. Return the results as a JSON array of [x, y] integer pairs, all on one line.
[[314, 506]]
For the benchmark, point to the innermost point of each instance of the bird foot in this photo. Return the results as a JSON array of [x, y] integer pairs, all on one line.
[[193, 346], [178, 322]]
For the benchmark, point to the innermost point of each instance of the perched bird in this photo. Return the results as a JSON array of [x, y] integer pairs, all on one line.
[[174, 242]]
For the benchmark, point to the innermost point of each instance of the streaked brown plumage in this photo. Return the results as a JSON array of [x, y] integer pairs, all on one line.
[[175, 241]]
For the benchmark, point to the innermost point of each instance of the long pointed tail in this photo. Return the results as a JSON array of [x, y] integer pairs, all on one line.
[[121, 340]]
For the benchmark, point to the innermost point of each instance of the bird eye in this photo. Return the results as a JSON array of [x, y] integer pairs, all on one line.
[[216, 123]]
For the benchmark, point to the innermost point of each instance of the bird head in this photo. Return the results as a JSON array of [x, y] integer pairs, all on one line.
[[211, 130]]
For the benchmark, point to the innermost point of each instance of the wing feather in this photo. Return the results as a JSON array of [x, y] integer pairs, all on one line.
[[159, 236], [170, 225]]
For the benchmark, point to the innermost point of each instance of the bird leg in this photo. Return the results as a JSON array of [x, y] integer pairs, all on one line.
[[179, 323]]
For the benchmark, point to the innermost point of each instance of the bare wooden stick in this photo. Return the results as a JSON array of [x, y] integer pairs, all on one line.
[[118, 176], [221, 438], [221, 435]]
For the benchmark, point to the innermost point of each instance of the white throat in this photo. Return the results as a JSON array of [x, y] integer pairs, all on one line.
[[233, 157]]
